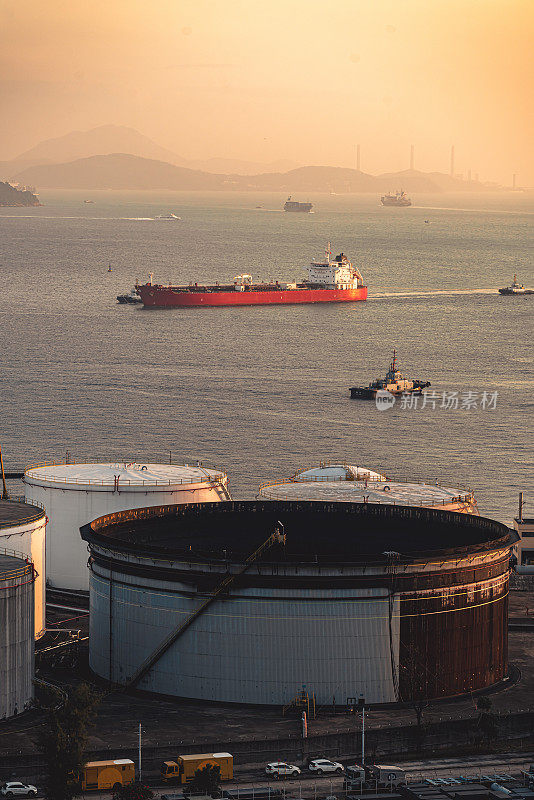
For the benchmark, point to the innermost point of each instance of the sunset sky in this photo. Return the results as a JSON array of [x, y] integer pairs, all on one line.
[[267, 79]]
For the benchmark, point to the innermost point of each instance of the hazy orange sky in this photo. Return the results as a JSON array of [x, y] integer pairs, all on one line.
[[269, 79]]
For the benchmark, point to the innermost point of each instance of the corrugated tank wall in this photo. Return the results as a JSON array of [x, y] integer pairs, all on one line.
[[16, 637], [257, 646]]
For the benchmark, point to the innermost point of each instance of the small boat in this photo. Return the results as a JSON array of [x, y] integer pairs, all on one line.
[[88, 201], [516, 288], [394, 383], [168, 216], [130, 298], [399, 199]]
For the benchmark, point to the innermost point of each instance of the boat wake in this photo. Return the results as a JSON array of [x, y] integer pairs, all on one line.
[[430, 293], [474, 210]]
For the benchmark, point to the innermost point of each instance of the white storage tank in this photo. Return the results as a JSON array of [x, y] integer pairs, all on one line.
[[17, 638], [23, 529], [372, 490], [75, 494]]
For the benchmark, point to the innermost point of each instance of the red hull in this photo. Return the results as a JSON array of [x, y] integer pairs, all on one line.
[[165, 297]]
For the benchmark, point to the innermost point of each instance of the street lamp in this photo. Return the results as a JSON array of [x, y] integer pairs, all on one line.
[[361, 705]]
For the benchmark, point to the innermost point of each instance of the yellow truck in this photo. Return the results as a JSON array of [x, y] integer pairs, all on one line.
[[108, 774], [183, 768]]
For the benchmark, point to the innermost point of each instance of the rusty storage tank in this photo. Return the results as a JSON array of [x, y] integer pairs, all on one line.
[[17, 638], [389, 601], [74, 494], [23, 529]]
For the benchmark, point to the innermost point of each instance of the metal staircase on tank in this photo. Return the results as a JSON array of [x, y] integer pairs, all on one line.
[[275, 538], [303, 701]]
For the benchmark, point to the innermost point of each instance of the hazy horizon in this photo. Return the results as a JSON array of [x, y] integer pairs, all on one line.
[[298, 80]]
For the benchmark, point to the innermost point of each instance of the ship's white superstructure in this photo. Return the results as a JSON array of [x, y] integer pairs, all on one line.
[[337, 273]]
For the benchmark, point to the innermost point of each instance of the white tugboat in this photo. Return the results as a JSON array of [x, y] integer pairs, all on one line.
[[130, 298], [516, 288], [394, 382]]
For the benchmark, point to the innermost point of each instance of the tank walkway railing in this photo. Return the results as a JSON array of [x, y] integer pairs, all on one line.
[[219, 475], [17, 572], [414, 479], [362, 484], [160, 651]]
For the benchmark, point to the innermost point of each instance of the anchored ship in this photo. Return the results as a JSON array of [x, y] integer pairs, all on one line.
[[329, 281], [293, 205], [397, 199], [515, 288], [394, 382]]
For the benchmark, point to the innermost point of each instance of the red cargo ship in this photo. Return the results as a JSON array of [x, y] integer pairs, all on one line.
[[329, 281]]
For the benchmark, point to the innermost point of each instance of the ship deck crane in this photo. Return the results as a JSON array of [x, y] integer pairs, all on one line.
[[277, 537]]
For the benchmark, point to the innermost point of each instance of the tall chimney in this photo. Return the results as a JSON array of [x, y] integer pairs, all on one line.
[[358, 157], [412, 157], [513, 180], [468, 174], [452, 161]]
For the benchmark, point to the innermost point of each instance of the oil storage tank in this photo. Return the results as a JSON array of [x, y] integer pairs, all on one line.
[[386, 601], [341, 483], [17, 638], [23, 529], [74, 494]]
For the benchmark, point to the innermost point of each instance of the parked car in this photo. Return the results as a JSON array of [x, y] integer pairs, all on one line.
[[279, 769], [323, 765], [18, 789]]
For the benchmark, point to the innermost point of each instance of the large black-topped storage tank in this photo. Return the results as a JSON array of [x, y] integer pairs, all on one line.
[[386, 601]]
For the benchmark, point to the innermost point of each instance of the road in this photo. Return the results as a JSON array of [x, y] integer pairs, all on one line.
[[311, 786]]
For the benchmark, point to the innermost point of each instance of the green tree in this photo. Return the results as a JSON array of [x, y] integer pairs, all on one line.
[[134, 791], [487, 720], [206, 780], [64, 740]]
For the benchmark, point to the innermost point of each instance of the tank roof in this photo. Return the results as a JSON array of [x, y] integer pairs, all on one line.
[[129, 474], [11, 565], [373, 491], [233, 530], [336, 472], [17, 512]]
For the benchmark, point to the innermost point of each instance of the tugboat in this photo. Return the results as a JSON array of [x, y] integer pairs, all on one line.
[[130, 298], [293, 205], [516, 288], [394, 383], [398, 199]]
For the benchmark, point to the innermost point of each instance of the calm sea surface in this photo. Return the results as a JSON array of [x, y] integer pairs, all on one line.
[[263, 391]]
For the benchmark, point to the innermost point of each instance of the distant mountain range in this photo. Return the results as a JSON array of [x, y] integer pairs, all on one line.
[[108, 139], [117, 157], [124, 171]]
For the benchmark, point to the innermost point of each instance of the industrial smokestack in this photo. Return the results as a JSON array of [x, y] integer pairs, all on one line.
[[412, 157], [358, 157], [513, 180], [452, 161]]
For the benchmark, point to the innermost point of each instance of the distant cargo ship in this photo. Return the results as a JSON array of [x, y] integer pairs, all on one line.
[[397, 199], [329, 281], [292, 205]]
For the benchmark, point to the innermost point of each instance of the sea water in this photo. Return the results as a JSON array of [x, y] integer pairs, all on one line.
[[263, 391]]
